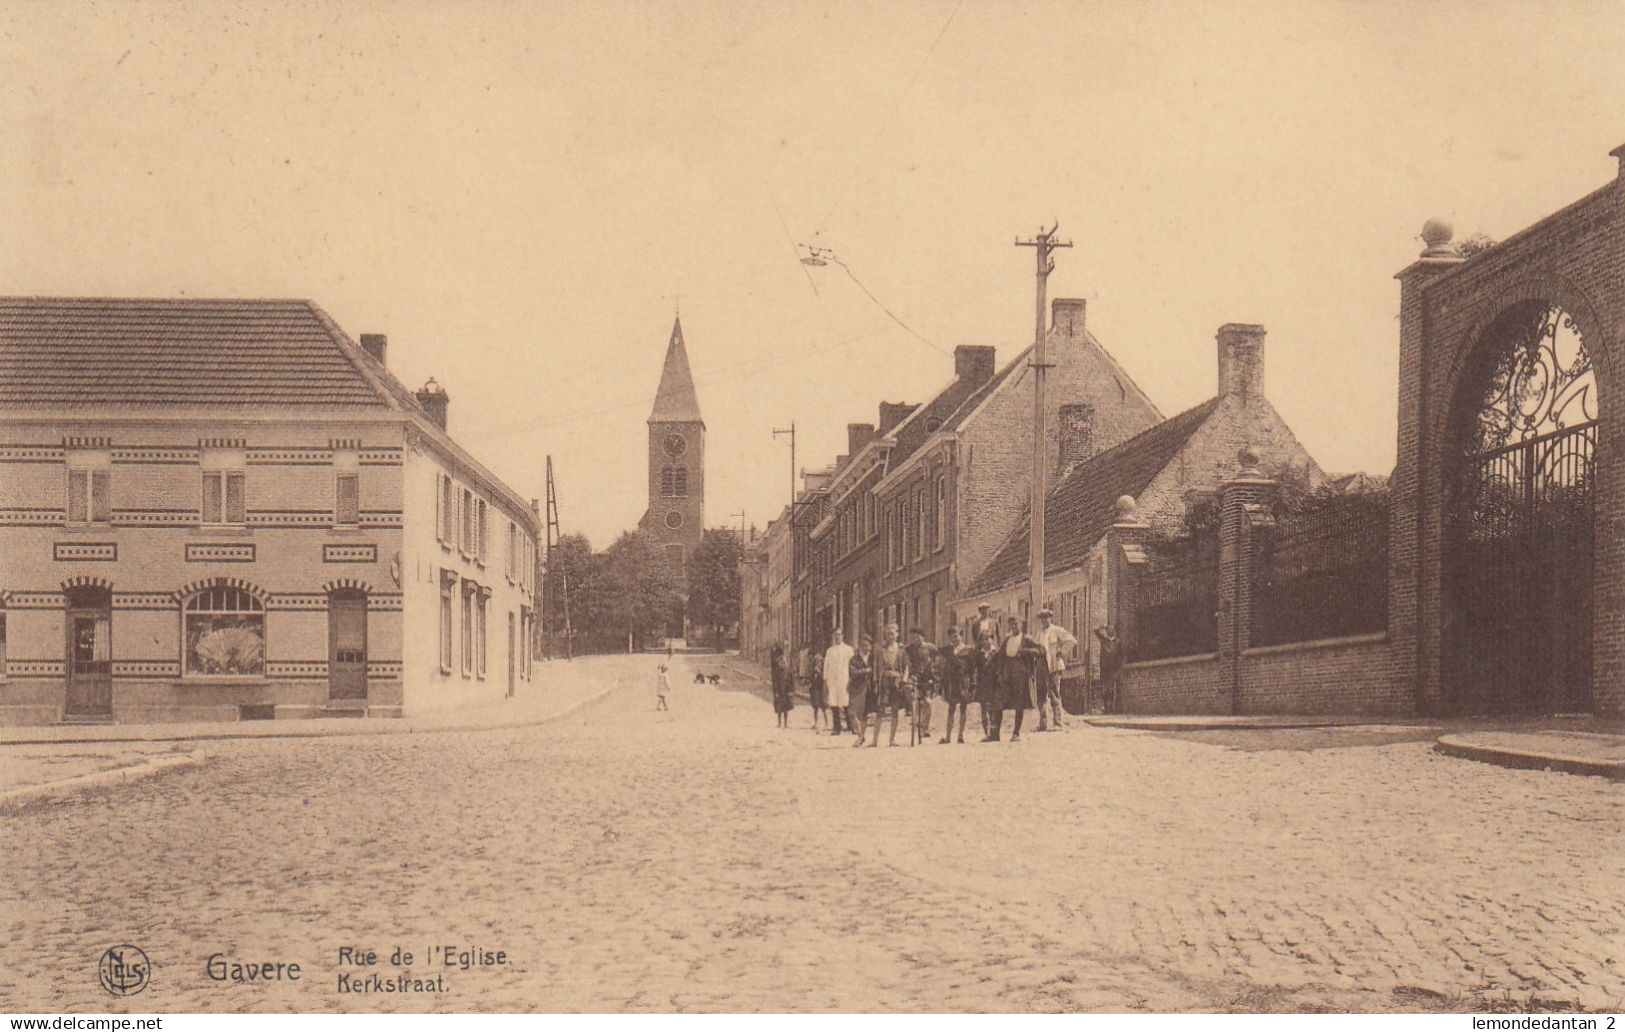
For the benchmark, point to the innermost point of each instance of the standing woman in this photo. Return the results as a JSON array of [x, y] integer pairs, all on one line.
[[781, 685]]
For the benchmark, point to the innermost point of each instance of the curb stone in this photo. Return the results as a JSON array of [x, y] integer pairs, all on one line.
[[14, 799], [1524, 759]]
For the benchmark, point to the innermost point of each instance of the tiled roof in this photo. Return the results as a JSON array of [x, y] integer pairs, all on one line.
[[949, 403], [116, 351], [1081, 508]]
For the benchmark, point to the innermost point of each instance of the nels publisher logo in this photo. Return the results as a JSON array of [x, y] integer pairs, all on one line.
[[124, 970]]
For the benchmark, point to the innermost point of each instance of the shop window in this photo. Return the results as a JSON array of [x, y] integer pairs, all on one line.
[[224, 631]]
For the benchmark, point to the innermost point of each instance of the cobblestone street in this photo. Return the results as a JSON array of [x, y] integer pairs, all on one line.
[[703, 860]]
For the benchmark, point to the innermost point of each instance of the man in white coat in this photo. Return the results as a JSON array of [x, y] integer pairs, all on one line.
[[837, 678], [1056, 640]]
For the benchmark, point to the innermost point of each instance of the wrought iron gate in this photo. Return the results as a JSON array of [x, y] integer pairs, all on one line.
[[1518, 614]]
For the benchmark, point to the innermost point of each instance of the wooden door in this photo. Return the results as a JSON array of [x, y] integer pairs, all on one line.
[[89, 660], [347, 645], [511, 654]]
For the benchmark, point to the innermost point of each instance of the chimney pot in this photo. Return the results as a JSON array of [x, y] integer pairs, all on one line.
[[892, 413], [434, 400], [1077, 436], [857, 436], [375, 344], [1241, 360], [1067, 316], [975, 362]]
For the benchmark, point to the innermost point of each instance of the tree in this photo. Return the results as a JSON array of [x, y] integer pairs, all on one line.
[[644, 584], [713, 583]]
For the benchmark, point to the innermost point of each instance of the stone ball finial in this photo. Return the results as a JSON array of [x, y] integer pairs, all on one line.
[[1125, 507], [1436, 234], [1249, 457]]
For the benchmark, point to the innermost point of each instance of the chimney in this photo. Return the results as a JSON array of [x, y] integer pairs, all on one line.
[[375, 344], [974, 363], [892, 413], [433, 398], [1619, 152], [858, 435], [1066, 317], [1077, 437], [1241, 360]]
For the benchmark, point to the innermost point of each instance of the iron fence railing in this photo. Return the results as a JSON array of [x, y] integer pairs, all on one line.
[[1322, 572], [1176, 599]]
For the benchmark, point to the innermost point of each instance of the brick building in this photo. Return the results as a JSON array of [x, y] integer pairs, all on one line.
[[1163, 469], [213, 510], [846, 541], [959, 467]]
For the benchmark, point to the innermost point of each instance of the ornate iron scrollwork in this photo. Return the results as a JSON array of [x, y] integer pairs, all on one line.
[[1542, 381]]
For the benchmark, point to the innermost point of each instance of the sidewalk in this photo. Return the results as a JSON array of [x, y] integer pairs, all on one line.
[[560, 687], [1573, 752]]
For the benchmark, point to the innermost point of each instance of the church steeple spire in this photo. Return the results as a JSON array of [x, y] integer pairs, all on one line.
[[675, 401]]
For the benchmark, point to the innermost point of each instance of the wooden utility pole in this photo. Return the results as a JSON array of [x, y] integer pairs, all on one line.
[[1042, 245], [791, 433], [552, 543]]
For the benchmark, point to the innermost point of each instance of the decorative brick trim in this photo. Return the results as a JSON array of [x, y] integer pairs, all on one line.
[[297, 600], [87, 581], [156, 517], [35, 600], [221, 582], [23, 517], [84, 551], [346, 584], [35, 668], [384, 603], [234, 552], [284, 669], [350, 553], [30, 453], [146, 668], [143, 600]]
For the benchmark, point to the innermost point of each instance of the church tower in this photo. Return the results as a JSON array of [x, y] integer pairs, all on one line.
[[676, 513]]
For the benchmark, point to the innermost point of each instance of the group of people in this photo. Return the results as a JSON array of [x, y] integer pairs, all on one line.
[[1000, 669]]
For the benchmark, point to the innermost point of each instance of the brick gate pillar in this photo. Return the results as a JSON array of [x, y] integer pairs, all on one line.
[[1245, 501], [1415, 553], [1124, 553]]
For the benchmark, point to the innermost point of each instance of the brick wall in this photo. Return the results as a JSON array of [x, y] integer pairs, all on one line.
[[1190, 684]]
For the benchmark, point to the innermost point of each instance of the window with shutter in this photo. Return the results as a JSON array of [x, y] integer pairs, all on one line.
[[347, 504]]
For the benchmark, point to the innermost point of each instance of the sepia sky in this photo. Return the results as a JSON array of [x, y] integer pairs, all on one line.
[[515, 193]]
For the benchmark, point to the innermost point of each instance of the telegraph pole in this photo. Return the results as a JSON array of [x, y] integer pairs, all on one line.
[[791, 433], [552, 543], [1042, 246]]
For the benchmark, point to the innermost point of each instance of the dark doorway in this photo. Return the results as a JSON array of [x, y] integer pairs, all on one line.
[[90, 659], [347, 645]]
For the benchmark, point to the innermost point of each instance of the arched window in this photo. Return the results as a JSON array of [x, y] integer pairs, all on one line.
[[674, 482], [224, 632]]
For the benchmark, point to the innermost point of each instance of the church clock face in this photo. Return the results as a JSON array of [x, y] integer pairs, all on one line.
[[675, 445], [674, 519]]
